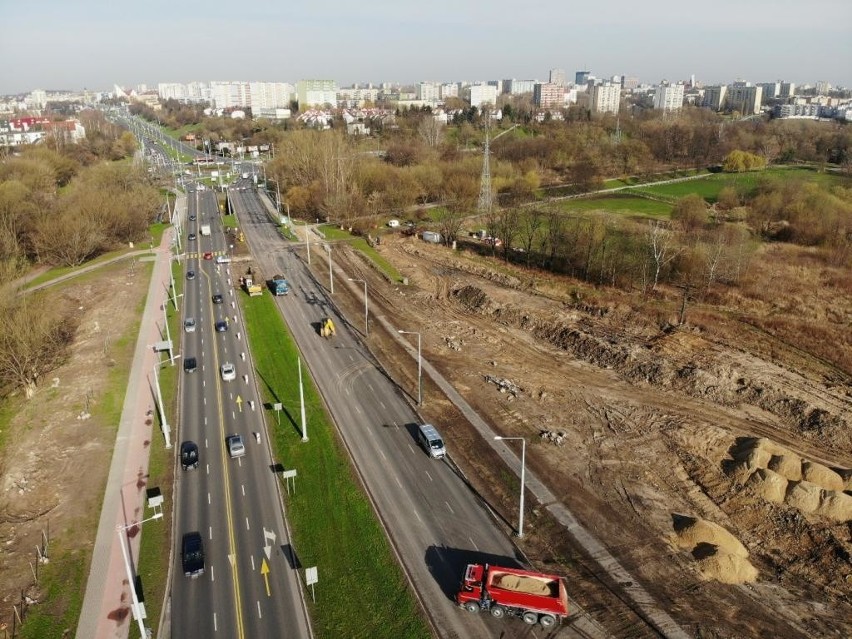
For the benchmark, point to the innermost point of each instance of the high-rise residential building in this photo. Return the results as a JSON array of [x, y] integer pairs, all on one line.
[[230, 95], [715, 97], [37, 99], [745, 99], [629, 82], [171, 91], [270, 95], [823, 87], [558, 77], [787, 90], [316, 93], [668, 97], [429, 92], [604, 97], [771, 90], [517, 87], [547, 95], [449, 90], [357, 96], [582, 77], [482, 94]]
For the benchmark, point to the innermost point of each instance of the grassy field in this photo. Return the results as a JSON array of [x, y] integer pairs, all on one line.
[[332, 232], [622, 205], [362, 591]]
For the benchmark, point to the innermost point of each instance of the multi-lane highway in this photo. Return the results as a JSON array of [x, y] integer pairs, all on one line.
[[247, 588], [436, 523]]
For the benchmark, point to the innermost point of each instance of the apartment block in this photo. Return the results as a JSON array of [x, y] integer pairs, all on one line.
[[429, 92], [316, 93], [449, 90], [482, 94], [270, 95], [517, 87], [604, 97], [558, 77], [787, 90], [669, 97], [745, 99], [547, 95], [230, 95], [715, 97], [582, 77], [771, 90]]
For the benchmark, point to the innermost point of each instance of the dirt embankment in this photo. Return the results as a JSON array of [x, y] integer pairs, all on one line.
[[641, 426]]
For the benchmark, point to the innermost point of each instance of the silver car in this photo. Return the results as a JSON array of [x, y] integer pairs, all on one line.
[[236, 447], [189, 325], [229, 372]]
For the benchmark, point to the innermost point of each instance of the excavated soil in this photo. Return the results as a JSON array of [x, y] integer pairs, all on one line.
[[638, 426]]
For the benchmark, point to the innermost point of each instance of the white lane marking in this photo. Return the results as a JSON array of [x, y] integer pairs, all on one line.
[[410, 448], [370, 386], [212, 574], [208, 499], [259, 616], [383, 454], [205, 403], [215, 623], [209, 532], [243, 487], [452, 512], [473, 543], [382, 404], [358, 409], [346, 390], [249, 527], [252, 562], [429, 476], [208, 468], [351, 359], [397, 481], [418, 517]]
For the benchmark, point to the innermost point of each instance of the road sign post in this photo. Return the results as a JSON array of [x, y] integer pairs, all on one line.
[[277, 407], [312, 577]]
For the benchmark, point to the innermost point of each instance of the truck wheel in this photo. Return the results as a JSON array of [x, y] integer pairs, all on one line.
[[530, 618], [547, 621], [498, 611], [471, 606]]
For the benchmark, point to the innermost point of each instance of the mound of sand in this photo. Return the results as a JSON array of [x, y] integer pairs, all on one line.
[[803, 495], [727, 568], [846, 476], [519, 583], [769, 485], [835, 505], [691, 532], [821, 475], [789, 466]]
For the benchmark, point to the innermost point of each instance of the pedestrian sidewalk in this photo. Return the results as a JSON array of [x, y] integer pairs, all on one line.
[[106, 611]]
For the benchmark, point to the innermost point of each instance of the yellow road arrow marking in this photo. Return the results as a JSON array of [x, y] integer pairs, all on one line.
[[240, 403], [264, 570]]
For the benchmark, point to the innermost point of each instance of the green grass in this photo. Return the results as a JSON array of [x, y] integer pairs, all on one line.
[[332, 232], [61, 604], [362, 591], [622, 205], [153, 564], [230, 221]]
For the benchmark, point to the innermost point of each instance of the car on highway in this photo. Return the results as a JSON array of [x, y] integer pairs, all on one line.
[[192, 554], [190, 275], [217, 298], [189, 324], [191, 237], [221, 326], [190, 365], [229, 372], [188, 455], [236, 447], [192, 218]]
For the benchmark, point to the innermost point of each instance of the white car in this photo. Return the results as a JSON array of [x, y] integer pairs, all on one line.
[[189, 325], [236, 447], [393, 223], [229, 372]]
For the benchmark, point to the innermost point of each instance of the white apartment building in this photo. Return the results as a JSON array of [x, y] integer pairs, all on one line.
[[517, 87], [230, 95], [771, 90], [482, 94], [316, 93], [823, 87], [745, 99], [37, 99], [357, 97], [788, 90], [558, 77], [715, 97], [449, 90], [604, 97], [270, 95], [429, 92], [669, 97]]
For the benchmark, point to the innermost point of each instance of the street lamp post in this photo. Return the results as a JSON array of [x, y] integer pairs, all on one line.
[[136, 607], [523, 469], [366, 310], [419, 367]]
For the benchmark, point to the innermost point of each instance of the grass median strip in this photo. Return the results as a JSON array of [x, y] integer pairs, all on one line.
[[361, 590]]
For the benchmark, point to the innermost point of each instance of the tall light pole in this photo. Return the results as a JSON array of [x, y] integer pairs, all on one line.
[[366, 310], [330, 271], [523, 469], [419, 367], [136, 607]]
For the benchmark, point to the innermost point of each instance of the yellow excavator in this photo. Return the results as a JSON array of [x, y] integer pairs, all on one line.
[[326, 328]]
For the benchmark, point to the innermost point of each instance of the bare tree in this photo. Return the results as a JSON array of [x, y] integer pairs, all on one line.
[[431, 131], [531, 222], [661, 241]]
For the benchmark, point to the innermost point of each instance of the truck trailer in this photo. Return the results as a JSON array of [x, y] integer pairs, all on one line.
[[205, 229], [533, 596]]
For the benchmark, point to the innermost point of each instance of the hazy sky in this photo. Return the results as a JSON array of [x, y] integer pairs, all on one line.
[[58, 44]]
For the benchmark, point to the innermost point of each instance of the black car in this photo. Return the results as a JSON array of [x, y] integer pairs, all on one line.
[[191, 237], [188, 455], [190, 275], [217, 298], [221, 327], [192, 554], [190, 364], [192, 218]]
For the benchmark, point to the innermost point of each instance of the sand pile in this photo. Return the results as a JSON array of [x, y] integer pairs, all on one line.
[[729, 569], [821, 475], [835, 505], [787, 465], [518, 583], [804, 496], [770, 485], [846, 476], [719, 554]]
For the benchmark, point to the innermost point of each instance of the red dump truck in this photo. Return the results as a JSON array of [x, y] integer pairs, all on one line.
[[533, 596]]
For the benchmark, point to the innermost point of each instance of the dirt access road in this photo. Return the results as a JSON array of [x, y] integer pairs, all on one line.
[[714, 475]]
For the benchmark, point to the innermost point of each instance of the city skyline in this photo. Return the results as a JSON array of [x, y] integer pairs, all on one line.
[[94, 44]]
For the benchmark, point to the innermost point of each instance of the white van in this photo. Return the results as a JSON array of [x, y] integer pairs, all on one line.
[[431, 441], [223, 259]]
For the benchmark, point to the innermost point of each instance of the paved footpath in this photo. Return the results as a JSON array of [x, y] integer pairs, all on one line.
[[106, 612]]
